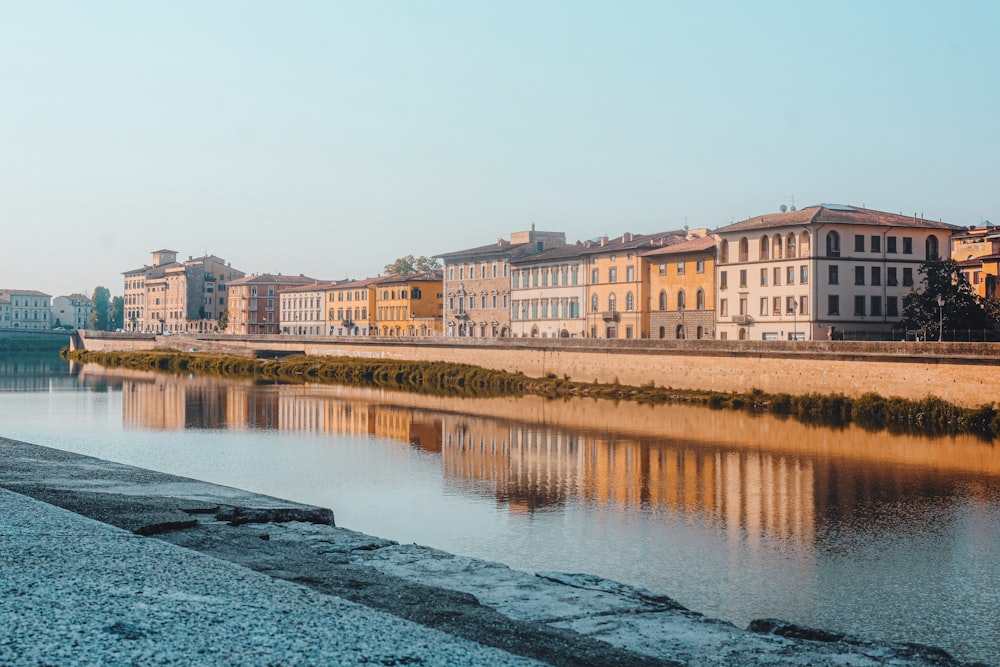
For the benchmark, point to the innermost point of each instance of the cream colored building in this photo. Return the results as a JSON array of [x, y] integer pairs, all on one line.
[[302, 309], [821, 272], [189, 296], [548, 292], [71, 311]]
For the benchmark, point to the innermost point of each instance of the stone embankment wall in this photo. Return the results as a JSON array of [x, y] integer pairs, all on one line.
[[962, 373]]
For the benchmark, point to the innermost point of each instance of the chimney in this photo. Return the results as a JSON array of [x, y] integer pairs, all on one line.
[[604, 239]]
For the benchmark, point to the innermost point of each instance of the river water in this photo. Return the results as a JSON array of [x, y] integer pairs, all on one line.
[[733, 515]]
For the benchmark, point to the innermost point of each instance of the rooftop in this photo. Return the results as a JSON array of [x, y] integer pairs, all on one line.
[[835, 214]]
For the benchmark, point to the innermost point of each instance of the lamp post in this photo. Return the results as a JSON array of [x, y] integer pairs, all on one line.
[[794, 305], [940, 302]]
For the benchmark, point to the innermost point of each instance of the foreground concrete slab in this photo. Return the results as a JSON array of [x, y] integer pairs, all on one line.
[[229, 577]]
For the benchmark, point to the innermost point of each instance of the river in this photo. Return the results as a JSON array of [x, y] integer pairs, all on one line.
[[734, 515]]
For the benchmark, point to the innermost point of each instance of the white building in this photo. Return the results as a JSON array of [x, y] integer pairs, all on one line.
[[301, 309], [548, 293], [822, 270], [25, 309]]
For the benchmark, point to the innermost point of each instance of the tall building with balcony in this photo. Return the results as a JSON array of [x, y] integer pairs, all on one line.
[[254, 304], [811, 274], [618, 283], [189, 296], [477, 283]]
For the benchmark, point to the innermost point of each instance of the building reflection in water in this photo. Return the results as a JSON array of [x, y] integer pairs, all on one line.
[[756, 475]]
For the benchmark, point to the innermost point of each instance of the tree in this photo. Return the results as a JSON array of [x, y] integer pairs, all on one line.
[[405, 266], [944, 283], [101, 304], [116, 319]]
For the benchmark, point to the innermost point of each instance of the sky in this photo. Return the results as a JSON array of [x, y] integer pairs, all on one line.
[[329, 138]]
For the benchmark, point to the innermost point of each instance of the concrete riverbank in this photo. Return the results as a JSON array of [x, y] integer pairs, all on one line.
[[105, 563]]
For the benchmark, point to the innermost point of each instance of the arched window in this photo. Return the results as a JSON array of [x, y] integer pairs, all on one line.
[[663, 301], [681, 300], [832, 244], [700, 299], [679, 334], [790, 246], [765, 247], [724, 252], [744, 249], [777, 242], [699, 332], [629, 302], [804, 247], [612, 303], [932, 247], [593, 304], [663, 332]]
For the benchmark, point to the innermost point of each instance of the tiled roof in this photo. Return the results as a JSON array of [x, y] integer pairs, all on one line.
[[364, 282], [23, 292], [834, 214], [311, 287], [501, 247], [271, 279], [632, 242], [550, 255], [699, 244], [436, 275]]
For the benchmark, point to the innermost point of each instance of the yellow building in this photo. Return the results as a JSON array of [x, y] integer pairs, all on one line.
[[682, 289], [350, 308], [977, 252], [410, 305], [617, 303]]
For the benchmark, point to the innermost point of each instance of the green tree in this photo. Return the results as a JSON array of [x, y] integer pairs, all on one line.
[[101, 304], [116, 319], [223, 321], [947, 296], [405, 266]]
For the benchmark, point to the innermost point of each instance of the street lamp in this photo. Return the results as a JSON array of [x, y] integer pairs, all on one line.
[[940, 301]]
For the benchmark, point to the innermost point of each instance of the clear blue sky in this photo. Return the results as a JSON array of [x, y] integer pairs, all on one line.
[[329, 138]]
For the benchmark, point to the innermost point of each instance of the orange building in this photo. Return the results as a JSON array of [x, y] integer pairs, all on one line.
[[682, 289], [410, 305], [254, 304], [350, 308]]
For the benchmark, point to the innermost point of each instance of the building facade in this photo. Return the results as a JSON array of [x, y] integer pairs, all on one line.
[[350, 308], [189, 296], [618, 283], [301, 311], [25, 309], [548, 291], [682, 289], [977, 252], [820, 271], [71, 311], [254, 303], [409, 305], [477, 283]]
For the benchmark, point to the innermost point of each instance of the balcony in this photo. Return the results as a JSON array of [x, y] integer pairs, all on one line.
[[611, 316], [742, 319]]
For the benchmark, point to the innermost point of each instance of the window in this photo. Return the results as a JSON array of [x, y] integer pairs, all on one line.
[[723, 307], [876, 276], [891, 306], [763, 305], [680, 268], [516, 279], [790, 250], [776, 247], [663, 272], [663, 332], [876, 306], [573, 274], [890, 276], [832, 244], [859, 305], [859, 243], [724, 252], [790, 305], [494, 269], [907, 245], [545, 278], [505, 269], [763, 277], [493, 300], [629, 302], [534, 278], [804, 305], [482, 270], [744, 249], [776, 305], [612, 275], [612, 303], [699, 266], [804, 274], [776, 273], [931, 248], [681, 300], [593, 304], [832, 304], [743, 277], [859, 275], [765, 247], [663, 300], [876, 242], [908, 277], [630, 274], [723, 283], [594, 277], [790, 275], [699, 299]]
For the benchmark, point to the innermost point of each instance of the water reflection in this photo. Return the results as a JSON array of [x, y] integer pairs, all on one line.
[[755, 476]]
